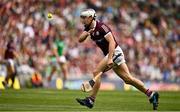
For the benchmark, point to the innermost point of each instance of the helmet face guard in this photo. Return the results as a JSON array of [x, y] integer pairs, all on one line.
[[88, 13], [83, 17]]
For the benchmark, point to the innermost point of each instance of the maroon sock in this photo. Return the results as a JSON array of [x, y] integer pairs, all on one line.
[[92, 98], [148, 92]]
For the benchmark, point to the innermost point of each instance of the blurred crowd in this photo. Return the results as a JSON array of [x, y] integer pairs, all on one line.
[[147, 30]]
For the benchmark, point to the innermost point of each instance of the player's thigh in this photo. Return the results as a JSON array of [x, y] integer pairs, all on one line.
[[122, 71], [63, 66], [10, 66], [100, 66], [54, 67]]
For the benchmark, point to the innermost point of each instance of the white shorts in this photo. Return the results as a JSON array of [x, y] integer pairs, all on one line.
[[62, 59], [11, 63], [118, 56]]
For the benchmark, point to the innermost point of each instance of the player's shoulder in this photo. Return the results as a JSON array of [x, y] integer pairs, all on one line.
[[102, 26]]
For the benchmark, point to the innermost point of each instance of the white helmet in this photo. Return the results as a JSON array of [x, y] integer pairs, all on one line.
[[88, 13]]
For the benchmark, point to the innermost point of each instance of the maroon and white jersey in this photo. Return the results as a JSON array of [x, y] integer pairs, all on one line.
[[9, 52], [98, 36]]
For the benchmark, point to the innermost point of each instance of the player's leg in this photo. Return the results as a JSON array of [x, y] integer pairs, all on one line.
[[13, 71], [100, 67], [89, 101], [65, 73], [54, 64], [4, 62], [64, 70], [123, 72], [10, 75], [52, 72], [64, 67], [13, 75], [10, 72]]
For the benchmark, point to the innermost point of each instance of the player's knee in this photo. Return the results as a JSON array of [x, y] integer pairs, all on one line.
[[95, 73]]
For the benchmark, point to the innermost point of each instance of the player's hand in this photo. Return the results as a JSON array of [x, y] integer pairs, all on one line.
[[90, 31]]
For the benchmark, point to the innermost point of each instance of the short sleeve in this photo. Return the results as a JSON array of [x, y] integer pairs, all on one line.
[[105, 29]]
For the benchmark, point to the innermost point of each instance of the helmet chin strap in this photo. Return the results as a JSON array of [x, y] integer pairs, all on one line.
[[87, 26]]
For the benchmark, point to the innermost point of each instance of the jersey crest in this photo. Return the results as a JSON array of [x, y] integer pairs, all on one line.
[[97, 33]]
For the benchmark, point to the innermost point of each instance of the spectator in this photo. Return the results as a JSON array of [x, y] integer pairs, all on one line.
[[152, 33]]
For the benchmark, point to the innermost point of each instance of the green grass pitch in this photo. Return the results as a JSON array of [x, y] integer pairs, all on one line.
[[64, 100]]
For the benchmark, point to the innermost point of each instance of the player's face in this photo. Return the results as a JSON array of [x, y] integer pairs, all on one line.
[[86, 20]]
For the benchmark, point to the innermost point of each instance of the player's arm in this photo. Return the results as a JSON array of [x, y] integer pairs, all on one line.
[[112, 44], [83, 36], [15, 53]]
